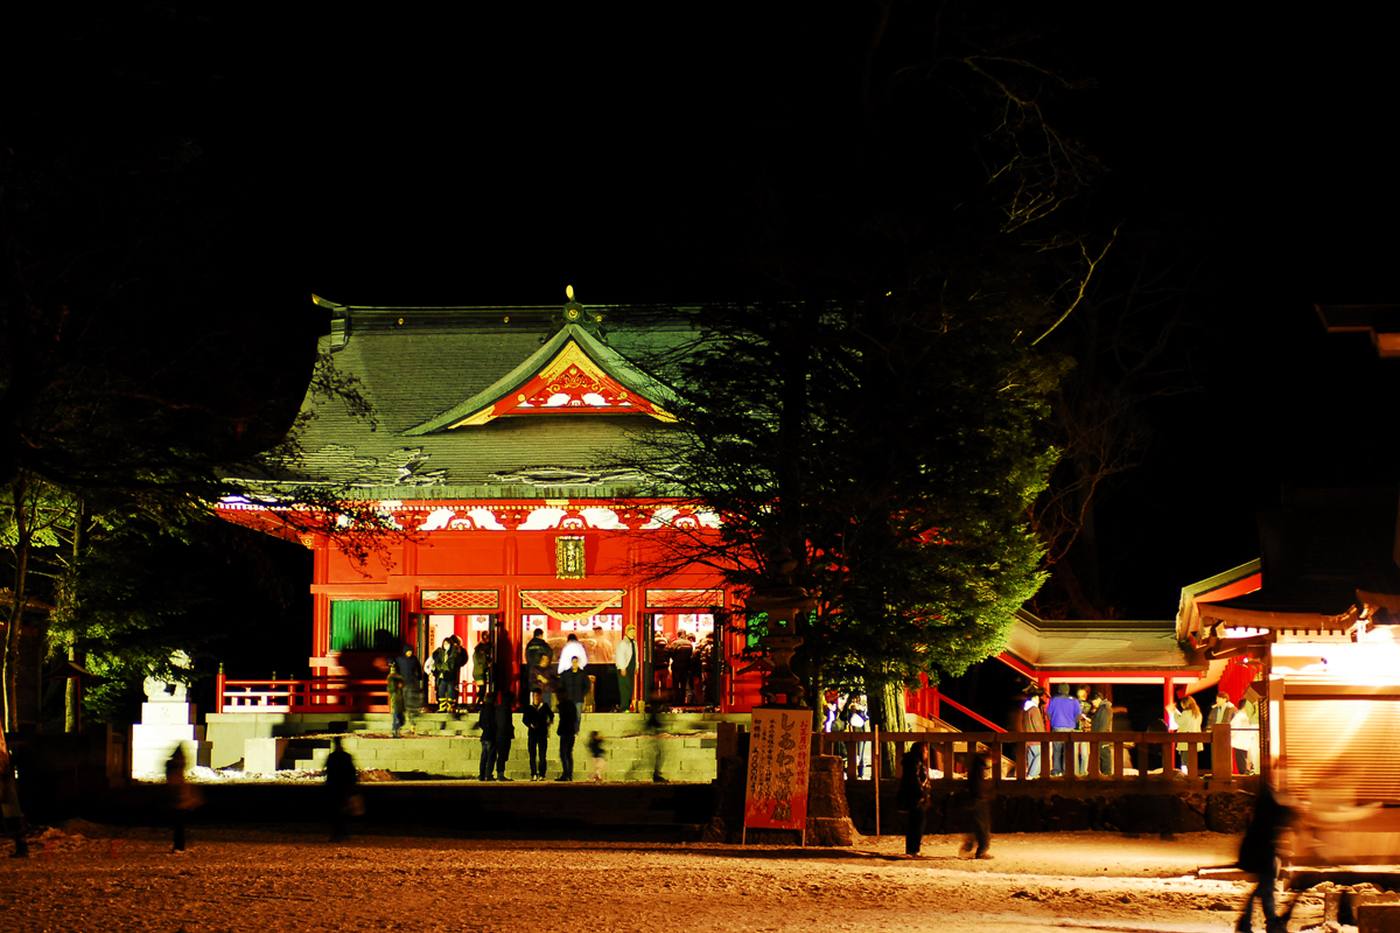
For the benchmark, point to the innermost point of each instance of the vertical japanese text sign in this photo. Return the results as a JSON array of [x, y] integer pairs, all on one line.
[[778, 763]]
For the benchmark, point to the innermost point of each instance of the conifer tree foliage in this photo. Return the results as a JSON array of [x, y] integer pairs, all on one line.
[[133, 381], [875, 400]]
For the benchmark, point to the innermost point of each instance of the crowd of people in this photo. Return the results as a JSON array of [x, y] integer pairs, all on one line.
[[1078, 710], [559, 691]]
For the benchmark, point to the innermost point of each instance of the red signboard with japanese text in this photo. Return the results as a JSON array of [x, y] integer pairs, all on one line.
[[779, 747]]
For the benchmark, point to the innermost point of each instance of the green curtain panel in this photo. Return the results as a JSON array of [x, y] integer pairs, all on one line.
[[365, 624]]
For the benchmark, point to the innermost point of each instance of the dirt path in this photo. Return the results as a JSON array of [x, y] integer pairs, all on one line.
[[241, 879]]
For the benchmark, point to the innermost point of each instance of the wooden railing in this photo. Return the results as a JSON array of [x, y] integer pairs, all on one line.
[[317, 695], [1133, 756]]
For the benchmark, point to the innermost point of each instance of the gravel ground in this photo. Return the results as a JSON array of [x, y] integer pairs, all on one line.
[[86, 877]]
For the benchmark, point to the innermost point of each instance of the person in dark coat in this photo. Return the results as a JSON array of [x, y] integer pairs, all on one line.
[[481, 667], [568, 731], [341, 778], [486, 722], [1259, 856], [411, 669], [180, 796], [545, 680], [538, 717], [1103, 722], [393, 685], [537, 648], [979, 806], [505, 733], [573, 683], [447, 668], [653, 727], [914, 795]]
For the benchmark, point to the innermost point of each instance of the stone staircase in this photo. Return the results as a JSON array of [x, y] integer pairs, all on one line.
[[436, 745]]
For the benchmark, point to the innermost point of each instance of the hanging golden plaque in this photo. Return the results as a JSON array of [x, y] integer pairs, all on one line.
[[568, 557]]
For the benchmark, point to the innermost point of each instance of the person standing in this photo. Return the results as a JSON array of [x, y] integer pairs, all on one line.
[[341, 777], [915, 794], [545, 680], [1063, 713], [447, 666], [572, 650], [568, 731], [573, 684], [1222, 713], [393, 685], [505, 733], [1086, 720], [979, 840], [486, 722], [537, 651], [1188, 720], [1102, 721], [411, 670], [537, 718], [1034, 722], [626, 663], [481, 667], [681, 651]]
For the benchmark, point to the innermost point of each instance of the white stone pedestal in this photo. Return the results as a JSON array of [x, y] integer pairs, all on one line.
[[164, 725]]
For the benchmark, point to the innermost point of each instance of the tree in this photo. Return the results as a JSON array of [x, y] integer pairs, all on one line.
[[130, 390], [880, 413]]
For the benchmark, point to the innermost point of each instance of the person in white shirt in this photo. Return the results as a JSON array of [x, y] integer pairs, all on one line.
[[626, 662], [573, 648]]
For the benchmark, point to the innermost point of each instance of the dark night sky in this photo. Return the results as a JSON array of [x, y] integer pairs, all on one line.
[[398, 158]]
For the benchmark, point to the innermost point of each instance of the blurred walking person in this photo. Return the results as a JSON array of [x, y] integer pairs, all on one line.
[[505, 733], [915, 794], [411, 670], [1259, 855], [486, 722], [653, 728], [393, 685], [341, 778], [595, 751], [180, 796], [979, 840], [568, 731]]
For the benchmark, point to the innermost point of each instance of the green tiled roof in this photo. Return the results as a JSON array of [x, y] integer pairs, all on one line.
[[422, 368]]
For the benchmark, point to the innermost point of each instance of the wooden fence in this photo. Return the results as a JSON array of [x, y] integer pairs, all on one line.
[[1132, 756]]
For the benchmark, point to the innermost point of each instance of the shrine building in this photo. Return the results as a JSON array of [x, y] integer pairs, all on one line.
[[496, 451]]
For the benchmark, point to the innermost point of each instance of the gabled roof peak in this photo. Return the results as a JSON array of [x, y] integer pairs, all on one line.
[[573, 372]]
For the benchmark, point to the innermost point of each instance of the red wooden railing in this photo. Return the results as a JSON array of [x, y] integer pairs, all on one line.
[[318, 695], [975, 715]]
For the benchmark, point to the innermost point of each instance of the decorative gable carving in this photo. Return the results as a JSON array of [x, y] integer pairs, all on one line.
[[572, 373], [573, 382]]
